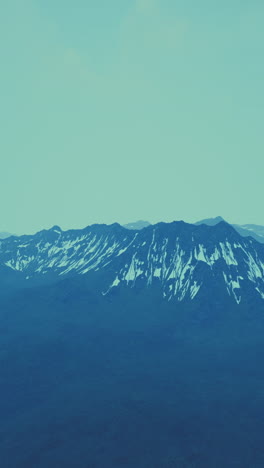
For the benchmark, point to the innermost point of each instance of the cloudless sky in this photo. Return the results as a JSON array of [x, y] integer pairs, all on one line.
[[130, 109]]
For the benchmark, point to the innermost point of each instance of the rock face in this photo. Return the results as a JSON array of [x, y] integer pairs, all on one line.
[[180, 261]]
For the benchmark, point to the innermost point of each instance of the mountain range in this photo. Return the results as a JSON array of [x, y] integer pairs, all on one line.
[[181, 262], [124, 348]]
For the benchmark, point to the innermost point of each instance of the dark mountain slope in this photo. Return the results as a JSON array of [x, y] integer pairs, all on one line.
[[127, 380]]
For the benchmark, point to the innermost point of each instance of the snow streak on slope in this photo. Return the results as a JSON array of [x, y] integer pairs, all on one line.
[[65, 253], [176, 267], [177, 258]]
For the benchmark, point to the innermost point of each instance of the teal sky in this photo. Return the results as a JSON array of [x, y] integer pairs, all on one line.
[[130, 109]]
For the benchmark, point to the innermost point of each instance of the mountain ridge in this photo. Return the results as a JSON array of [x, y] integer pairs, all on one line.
[[245, 230], [180, 259]]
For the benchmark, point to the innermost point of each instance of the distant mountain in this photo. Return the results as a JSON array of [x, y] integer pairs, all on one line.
[[259, 230], [245, 230], [4, 235], [210, 221], [255, 231], [176, 261], [137, 225]]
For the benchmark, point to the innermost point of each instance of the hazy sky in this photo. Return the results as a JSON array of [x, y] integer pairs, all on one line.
[[130, 109]]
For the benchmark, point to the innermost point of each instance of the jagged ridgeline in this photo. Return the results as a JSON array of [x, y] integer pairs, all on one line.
[[182, 262]]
